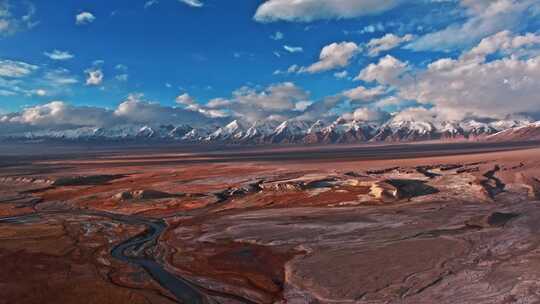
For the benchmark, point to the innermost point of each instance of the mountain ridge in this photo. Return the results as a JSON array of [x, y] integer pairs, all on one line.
[[340, 131]]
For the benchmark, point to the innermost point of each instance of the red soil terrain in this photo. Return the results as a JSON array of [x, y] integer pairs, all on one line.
[[457, 224]]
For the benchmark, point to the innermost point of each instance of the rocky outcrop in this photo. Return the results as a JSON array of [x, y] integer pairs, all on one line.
[[398, 189]]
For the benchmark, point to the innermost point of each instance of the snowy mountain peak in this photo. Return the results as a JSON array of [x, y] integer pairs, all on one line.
[[296, 131]]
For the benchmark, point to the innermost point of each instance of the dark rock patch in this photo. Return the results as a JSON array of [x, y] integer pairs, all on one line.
[[492, 185], [144, 195], [425, 170], [409, 188], [494, 220], [468, 170], [93, 180]]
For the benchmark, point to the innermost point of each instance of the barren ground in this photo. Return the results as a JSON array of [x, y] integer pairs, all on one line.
[[382, 224]]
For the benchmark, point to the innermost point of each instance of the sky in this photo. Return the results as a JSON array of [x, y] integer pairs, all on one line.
[[100, 62]]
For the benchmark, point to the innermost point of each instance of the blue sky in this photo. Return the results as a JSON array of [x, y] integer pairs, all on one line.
[[211, 48], [170, 42]]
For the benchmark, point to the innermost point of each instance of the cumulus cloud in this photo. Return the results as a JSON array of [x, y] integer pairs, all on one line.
[[84, 18], [193, 3], [310, 10], [335, 55], [59, 55], [418, 114], [484, 18], [276, 102], [368, 115], [16, 69], [474, 83], [387, 42], [506, 43], [94, 77], [324, 109], [213, 109], [217, 103], [363, 94], [186, 100], [135, 110], [387, 71], [58, 113], [293, 49]]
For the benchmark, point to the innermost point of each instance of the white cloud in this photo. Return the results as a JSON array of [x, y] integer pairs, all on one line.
[[367, 114], [341, 75], [277, 97], [134, 110], [186, 99], [212, 109], [84, 18], [193, 3], [485, 17], [302, 105], [310, 10], [16, 16], [472, 84], [364, 94], [293, 49], [60, 77], [276, 102], [387, 71], [218, 103], [15, 69], [150, 3], [386, 43], [418, 114], [40, 92], [277, 36], [58, 113], [372, 28], [335, 55], [505, 42], [59, 55], [291, 70], [95, 77], [389, 101]]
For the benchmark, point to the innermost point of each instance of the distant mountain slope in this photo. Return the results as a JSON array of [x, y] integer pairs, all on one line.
[[522, 133], [340, 131]]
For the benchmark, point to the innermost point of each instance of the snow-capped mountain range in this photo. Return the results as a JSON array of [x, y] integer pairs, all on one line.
[[340, 131]]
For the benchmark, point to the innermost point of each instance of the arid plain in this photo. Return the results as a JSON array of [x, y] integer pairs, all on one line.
[[416, 223]]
